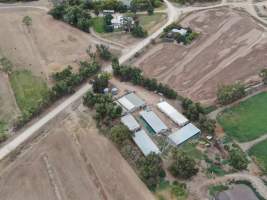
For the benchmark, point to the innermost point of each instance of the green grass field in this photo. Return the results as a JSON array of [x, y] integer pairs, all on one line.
[[248, 120], [30, 91], [98, 24], [259, 151]]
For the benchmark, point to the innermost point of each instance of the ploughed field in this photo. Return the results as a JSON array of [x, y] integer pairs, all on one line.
[[231, 47], [72, 160]]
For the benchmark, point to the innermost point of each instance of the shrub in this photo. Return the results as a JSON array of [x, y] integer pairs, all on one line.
[[227, 94]]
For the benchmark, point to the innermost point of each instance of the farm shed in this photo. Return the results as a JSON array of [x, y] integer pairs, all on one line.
[[183, 134], [130, 122], [131, 102], [154, 121], [172, 113], [181, 31], [144, 142]]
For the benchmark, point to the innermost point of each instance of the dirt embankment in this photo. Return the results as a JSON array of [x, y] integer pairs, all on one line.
[[231, 47]]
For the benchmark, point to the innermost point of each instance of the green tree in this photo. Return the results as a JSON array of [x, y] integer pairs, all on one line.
[[238, 159], [27, 20], [101, 82], [104, 52], [206, 125], [183, 166], [139, 32], [120, 134], [229, 93]]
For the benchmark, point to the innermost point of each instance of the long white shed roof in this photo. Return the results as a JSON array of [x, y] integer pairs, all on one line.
[[153, 121], [144, 142], [184, 134], [172, 113], [130, 122]]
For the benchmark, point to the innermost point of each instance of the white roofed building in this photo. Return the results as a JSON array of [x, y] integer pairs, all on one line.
[[154, 121], [183, 134], [130, 122], [145, 144], [131, 102], [172, 113], [181, 31]]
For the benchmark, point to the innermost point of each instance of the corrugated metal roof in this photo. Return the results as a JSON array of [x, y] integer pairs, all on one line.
[[130, 122], [154, 121], [131, 102], [184, 134], [144, 142], [172, 113], [181, 31]]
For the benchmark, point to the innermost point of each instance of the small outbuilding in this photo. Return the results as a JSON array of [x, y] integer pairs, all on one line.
[[179, 137], [153, 121], [172, 113], [145, 143], [131, 102], [181, 31], [130, 122]]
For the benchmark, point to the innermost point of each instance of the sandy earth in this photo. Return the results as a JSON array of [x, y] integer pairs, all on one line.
[[8, 106], [73, 161], [46, 46], [231, 47]]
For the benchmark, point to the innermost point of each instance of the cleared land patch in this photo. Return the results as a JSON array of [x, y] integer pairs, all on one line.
[[30, 91], [259, 151], [45, 46], [231, 47], [247, 120], [73, 161]]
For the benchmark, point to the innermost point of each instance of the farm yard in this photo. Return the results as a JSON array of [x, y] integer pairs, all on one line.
[[231, 47], [40, 49], [259, 152], [72, 161], [247, 120]]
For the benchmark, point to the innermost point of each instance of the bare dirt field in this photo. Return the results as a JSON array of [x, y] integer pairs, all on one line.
[[72, 161], [45, 46], [8, 106], [231, 47]]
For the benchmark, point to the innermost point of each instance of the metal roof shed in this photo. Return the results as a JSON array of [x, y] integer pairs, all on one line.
[[183, 134], [144, 142], [131, 102], [154, 121], [172, 113], [130, 122]]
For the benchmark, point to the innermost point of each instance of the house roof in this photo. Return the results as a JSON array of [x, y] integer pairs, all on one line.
[[144, 142], [131, 101], [184, 134], [130, 122], [172, 113], [182, 31], [154, 121]]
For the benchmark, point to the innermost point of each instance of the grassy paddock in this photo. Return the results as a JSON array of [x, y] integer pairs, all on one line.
[[259, 152], [149, 21], [247, 120], [30, 91], [98, 24]]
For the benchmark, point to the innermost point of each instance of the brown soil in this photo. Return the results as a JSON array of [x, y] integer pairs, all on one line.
[[73, 161], [44, 47], [231, 47], [8, 106]]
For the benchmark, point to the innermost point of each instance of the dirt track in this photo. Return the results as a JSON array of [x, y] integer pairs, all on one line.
[[231, 47], [72, 162]]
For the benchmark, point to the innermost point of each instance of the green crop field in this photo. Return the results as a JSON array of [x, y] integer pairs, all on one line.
[[259, 152], [247, 120], [30, 91]]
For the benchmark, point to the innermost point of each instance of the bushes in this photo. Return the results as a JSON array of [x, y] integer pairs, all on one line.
[[263, 75], [238, 159], [101, 82], [227, 94], [120, 134], [66, 80], [134, 75], [74, 15], [142, 5], [138, 31], [182, 166], [103, 52], [151, 170]]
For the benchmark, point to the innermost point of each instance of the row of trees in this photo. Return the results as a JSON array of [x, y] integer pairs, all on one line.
[[67, 80], [134, 75], [227, 94], [74, 15], [142, 5], [195, 112]]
